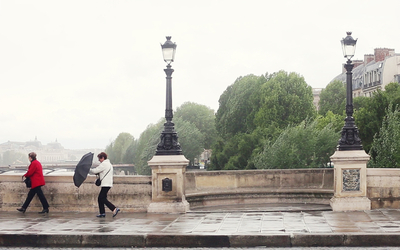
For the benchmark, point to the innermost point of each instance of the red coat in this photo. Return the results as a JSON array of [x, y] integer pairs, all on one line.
[[35, 172]]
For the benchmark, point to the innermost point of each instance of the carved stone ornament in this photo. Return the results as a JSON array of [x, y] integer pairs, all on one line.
[[351, 180]]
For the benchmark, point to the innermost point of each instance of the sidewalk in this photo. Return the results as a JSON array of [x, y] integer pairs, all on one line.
[[290, 225]]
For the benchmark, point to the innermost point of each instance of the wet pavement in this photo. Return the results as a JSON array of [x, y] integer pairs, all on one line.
[[207, 248], [276, 226]]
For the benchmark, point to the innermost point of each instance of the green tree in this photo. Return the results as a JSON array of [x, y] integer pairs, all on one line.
[[336, 121], [359, 102], [237, 106], [254, 108], [393, 92], [286, 99], [146, 146], [14, 158], [369, 118], [333, 98], [234, 122], [202, 117], [385, 150], [235, 153], [371, 111], [130, 153], [190, 139], [301, 146], [118, 148]]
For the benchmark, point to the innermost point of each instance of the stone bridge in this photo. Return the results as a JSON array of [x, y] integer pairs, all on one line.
[[205, 188]]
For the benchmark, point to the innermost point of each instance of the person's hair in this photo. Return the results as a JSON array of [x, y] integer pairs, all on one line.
[[32, 155], [102, 155]]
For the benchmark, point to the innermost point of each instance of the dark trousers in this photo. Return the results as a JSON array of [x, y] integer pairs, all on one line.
[[31, 194], [102, 199]]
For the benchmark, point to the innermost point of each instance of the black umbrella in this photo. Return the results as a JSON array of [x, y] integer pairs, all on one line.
[[82, 169]]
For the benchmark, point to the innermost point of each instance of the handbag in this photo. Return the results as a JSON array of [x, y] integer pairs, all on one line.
[[28, 182], [98, 180]]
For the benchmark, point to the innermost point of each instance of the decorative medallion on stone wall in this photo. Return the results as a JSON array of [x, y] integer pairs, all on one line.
[[351, 180], [166, 185]]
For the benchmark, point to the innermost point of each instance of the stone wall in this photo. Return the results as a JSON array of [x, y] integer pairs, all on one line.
[[214, 188], [204, 188], [383, 187], [132, 193]]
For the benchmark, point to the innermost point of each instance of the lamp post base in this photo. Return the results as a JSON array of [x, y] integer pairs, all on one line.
[[169, 207], [350, 183], [350, 204], [168, 184]]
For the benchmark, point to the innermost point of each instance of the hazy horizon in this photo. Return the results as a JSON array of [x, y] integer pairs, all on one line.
[[82, 72]]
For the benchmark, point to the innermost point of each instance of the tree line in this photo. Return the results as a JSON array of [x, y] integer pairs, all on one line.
[[269, 121], [194, 123]]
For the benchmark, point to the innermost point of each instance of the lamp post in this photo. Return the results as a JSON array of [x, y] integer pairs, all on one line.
[[169, 144], [350, 139]]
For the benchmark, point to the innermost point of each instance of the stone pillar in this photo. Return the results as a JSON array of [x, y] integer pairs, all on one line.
[[350, 182], [168, 184]]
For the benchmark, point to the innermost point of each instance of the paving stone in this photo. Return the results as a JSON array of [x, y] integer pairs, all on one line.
[[84, 229]]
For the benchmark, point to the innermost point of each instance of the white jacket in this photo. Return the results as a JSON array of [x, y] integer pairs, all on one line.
[[102, 169]]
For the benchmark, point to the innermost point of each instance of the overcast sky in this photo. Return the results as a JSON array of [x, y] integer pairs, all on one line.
[[81, 72]]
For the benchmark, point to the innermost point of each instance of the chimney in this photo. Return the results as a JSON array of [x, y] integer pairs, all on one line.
[[357, 63], [368, 58], [382, 53]]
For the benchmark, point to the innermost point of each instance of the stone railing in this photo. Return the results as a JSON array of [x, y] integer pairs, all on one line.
[[132, 193], [383, 187], [214, 188], [204, 188]]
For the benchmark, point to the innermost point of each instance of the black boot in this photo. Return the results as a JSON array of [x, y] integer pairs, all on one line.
[[21, 209], [44, 211]]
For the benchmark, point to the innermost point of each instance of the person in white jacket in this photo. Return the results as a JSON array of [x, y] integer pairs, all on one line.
[[105, 172]]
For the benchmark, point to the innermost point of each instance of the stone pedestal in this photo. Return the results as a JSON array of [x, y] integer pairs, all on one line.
[[168, 184], [350, 182]]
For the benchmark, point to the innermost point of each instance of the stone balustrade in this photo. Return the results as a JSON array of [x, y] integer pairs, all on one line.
[[214, 188], [383, 187], [204, 188], [132, 193]]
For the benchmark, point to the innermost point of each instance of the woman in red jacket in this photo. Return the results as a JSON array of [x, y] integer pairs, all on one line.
[[35, 172]]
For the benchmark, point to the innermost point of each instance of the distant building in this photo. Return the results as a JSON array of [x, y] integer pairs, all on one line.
[[52, 153], [316, 95], [374, 72]]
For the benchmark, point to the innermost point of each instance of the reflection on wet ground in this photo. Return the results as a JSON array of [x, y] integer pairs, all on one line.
[[220, 222]]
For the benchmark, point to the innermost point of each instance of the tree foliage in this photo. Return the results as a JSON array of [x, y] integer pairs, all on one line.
[[201, 117], [117, 150], [146, 146], [235, 153], [385, 150], [336, 121], [301, 146], [371, 111], [285, 99], [190, 139], [12, 157], [237, 106], [254, 108], [333, 98]]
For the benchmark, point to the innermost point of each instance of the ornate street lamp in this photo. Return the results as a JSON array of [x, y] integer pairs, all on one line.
[[169, 144], [350, 139]]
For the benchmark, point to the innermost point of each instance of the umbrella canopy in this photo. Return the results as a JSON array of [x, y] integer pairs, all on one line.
[[82, 169]]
